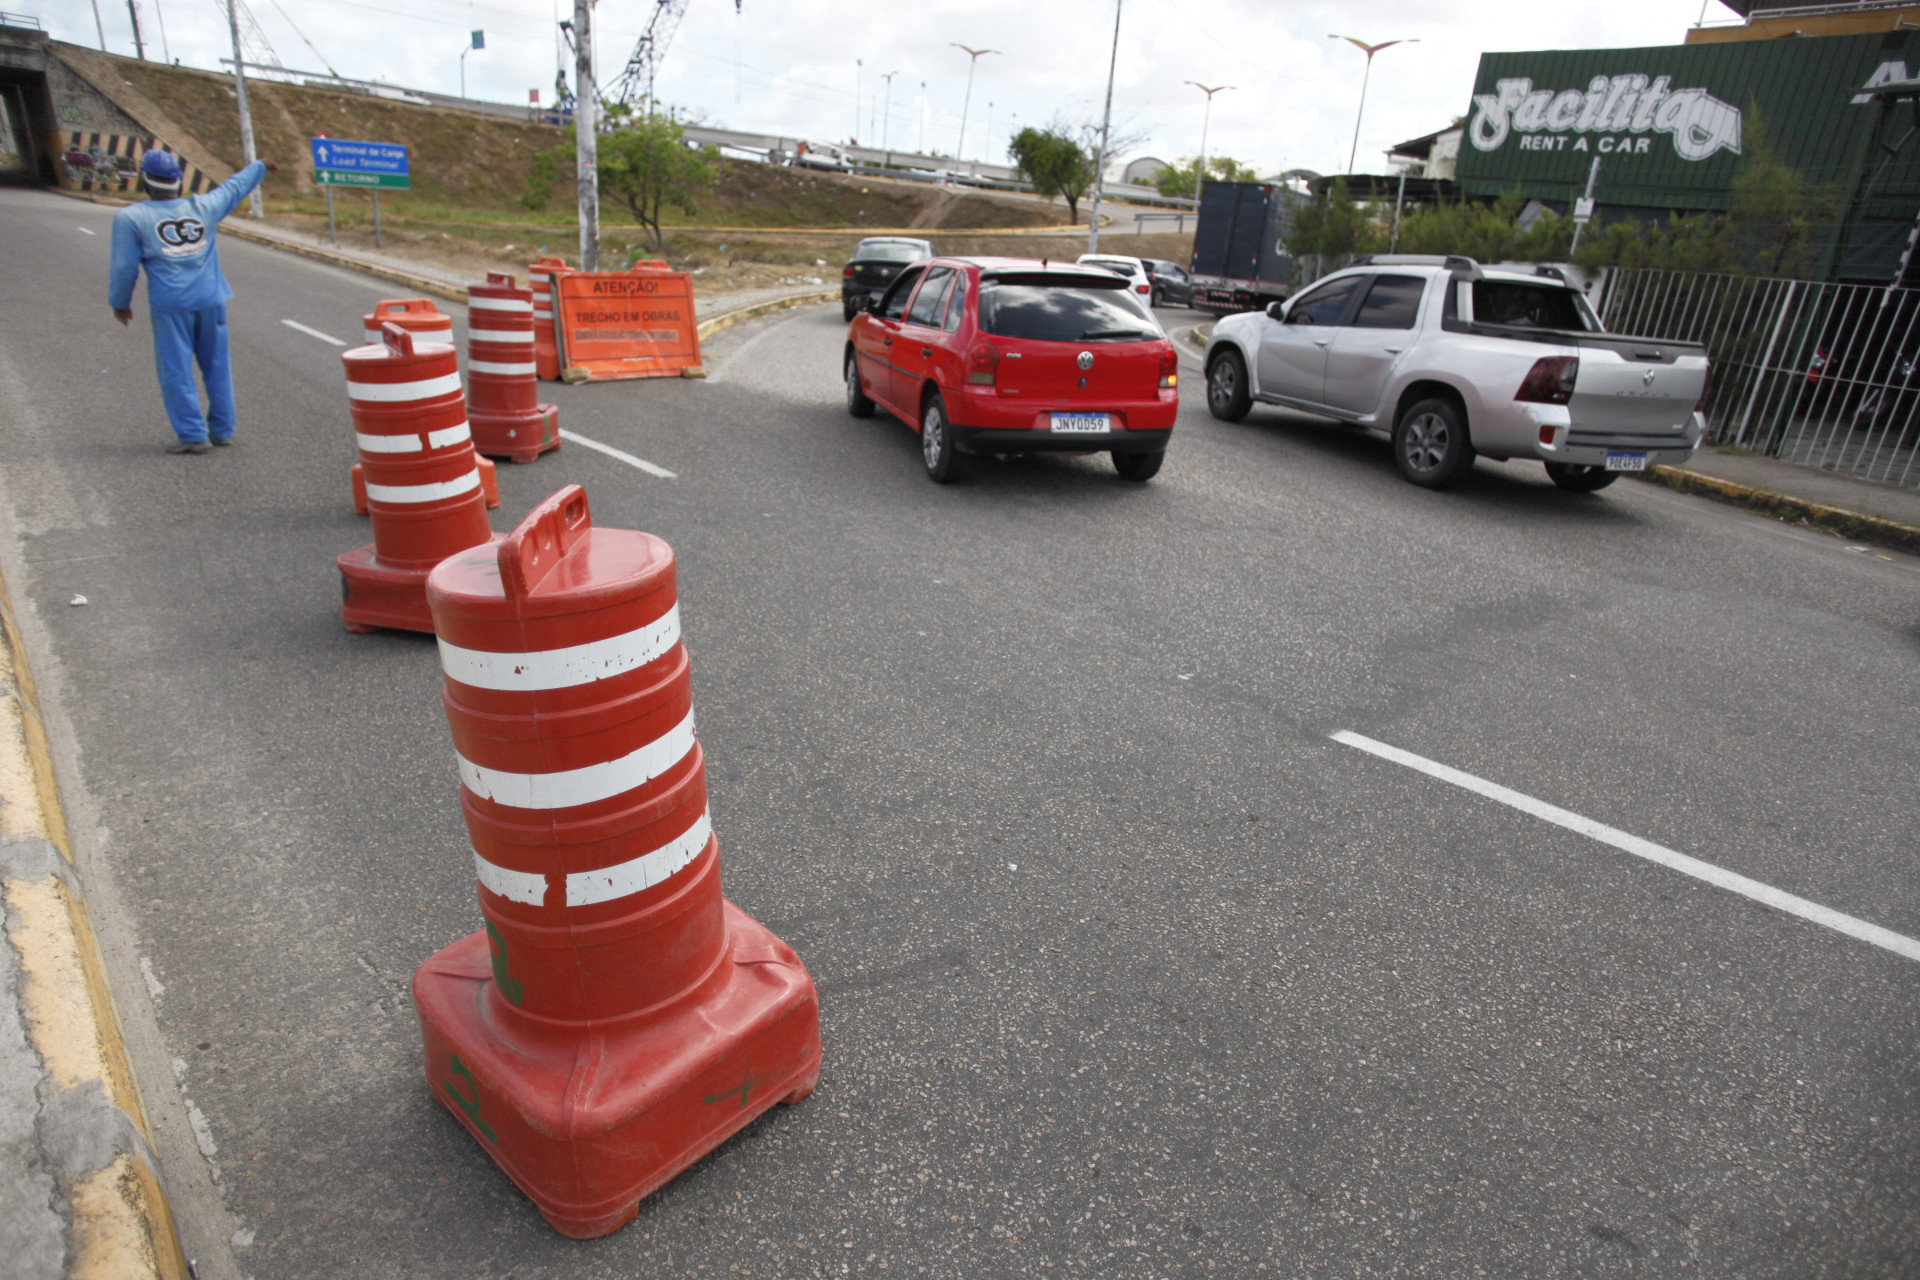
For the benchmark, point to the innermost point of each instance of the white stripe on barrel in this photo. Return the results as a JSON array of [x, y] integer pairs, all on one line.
[[562, 668], [499, 335], [586, 888], [391, 392], [403, 494], [502, 368], [573, 787], [449, 435], [411, 444], [476, 303]]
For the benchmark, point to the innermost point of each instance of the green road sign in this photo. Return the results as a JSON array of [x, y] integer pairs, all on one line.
[[350, 178]]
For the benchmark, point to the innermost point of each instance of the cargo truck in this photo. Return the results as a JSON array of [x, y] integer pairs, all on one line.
[[1240, 259]]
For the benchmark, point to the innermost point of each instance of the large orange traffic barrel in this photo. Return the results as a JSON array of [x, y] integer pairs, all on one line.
[[616, 1018], [503, 397], [422, 319], [423, 487], [546, 351]]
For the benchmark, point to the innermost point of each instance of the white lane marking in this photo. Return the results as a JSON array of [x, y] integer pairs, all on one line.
[[387, 444], [585, 888], [621, 454], [499, 368], [408, 493], [1719, 877], [569, 788], [83, 231], [390, 392], [499, 335], [313, 333], [562, 668], [449, 435], [499, 304]]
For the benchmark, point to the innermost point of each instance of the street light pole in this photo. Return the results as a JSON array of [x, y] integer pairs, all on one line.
[[1106, 125], [886, 111], [858, 64], [1369, 50], [1200, 171], [960, 152]]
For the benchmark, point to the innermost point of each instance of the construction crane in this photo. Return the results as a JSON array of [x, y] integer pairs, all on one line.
[[649, 51]]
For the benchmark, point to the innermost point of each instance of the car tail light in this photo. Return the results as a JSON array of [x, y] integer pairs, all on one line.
[[983, 363], [1706, 389], [1819, 365], [846, 272], [1550, 381], [1546, 434], [1141, 288], [1169, 368]]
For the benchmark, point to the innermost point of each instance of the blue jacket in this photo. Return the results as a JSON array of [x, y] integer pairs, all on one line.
[[174, 240]]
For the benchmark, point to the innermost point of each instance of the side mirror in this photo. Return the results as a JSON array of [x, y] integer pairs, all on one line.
[[1277, 311]]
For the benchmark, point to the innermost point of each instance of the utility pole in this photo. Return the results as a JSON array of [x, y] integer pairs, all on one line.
[[139, 45], [1399, 199], [240, 92], [1200, 171], [586, 124], [99, 26], [1106, 124], [960, 152], [886, 112], [1583, 207]]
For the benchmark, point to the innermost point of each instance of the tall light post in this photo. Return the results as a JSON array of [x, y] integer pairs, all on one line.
[[1106, 125], [886, 111], [1369, 50], [960, 152], [857, 65], [1200, 172]]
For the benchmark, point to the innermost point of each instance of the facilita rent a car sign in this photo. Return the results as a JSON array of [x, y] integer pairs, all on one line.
[[343, 162], [1671, 123]]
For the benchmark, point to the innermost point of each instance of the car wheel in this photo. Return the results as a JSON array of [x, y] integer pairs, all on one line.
[[848, 311], [1156, 298], [859, 403], [1227, 396], [936, 442], [1138, 466], [1576, 478], [1430, 443]]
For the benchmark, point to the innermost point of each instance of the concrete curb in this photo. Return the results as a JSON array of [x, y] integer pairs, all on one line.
[[707, 328], [1851, 524], [91, 1129], [333, 257]]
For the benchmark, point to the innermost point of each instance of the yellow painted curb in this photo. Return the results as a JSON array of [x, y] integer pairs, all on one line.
[[707, 328], [1849, 524], [119, 1224]]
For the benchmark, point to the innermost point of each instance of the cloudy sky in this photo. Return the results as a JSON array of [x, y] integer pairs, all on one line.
[[790, 66]]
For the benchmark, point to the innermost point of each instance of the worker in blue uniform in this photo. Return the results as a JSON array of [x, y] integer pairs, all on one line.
[[186, 294]]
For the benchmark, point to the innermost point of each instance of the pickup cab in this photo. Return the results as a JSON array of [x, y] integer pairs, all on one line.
[[1453, 361]]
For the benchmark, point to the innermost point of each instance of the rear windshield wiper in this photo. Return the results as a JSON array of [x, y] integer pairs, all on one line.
[[1118, 333]]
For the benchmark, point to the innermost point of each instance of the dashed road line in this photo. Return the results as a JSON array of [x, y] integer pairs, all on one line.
[[86, 231], [641, 463], [1719, 877], [313, 333]]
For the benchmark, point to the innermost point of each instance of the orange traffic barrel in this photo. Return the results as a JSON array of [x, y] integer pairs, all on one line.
[[416, 315], [615, 1018], [546, 352], [503, 396]]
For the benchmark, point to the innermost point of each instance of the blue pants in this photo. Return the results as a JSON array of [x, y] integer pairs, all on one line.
[[182, 339]]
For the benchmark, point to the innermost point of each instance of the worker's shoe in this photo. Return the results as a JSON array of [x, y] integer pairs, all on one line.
[[221, 442], [189, 446]]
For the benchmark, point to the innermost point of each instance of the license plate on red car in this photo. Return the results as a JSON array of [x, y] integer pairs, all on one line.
[[1080, 424]]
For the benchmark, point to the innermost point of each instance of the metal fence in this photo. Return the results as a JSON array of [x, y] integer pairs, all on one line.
[[1819, 374]]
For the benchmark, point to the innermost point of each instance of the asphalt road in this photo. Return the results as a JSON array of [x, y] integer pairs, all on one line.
[[1127, 967]]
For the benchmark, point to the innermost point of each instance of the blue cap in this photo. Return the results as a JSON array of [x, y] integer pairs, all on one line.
[[160, 168]]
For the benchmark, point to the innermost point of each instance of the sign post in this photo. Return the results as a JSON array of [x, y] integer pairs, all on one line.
[[341, 162]]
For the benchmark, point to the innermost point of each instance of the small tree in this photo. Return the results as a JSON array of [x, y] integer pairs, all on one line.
[[1054, 162], [1777, 216], [644, 163], [1178, 180]]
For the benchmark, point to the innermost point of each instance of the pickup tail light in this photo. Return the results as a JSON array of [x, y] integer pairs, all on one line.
[[1169, 369], [983, 364], [1706, 389], [1550, 381], [846, 272]]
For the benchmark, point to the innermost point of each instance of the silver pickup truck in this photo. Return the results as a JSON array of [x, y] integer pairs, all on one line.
[[1455, 360]]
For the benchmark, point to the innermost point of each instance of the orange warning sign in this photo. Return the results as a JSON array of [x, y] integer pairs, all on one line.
[[626, 324]]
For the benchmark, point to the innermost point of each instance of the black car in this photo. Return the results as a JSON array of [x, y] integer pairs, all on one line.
[[875, 262], [1171, 282]]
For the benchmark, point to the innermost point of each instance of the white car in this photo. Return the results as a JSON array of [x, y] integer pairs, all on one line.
[[1128, 268]]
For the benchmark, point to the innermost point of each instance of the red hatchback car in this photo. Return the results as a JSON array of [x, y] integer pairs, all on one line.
[[1001, 355]]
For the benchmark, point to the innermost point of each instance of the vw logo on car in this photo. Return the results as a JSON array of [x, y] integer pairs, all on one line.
[[1086, 360]]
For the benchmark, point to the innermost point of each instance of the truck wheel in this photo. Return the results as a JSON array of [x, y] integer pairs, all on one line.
[[1430, 444], [1138, 466], [1227, 397], [1575, 478], [859, 403]]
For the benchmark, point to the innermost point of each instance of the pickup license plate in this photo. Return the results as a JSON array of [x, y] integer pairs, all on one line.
[[1626, 462], [1080, 424]]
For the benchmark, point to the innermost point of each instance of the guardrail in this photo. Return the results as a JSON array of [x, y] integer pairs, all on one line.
[[1809, 372]]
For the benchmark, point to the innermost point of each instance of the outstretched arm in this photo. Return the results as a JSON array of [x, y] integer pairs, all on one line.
[[125, 271], [222, 199]]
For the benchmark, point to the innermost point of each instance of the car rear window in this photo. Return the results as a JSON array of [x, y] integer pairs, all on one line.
[[1063, 312], [1532, 306], [1392, 303], [885, 251]]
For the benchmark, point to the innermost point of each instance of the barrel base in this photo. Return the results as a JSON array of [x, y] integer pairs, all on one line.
[[588, 1119], [489, 484], [375, 594], [517, 437]]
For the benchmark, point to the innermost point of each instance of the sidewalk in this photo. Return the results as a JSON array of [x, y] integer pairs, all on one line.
[[1857, 509]]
